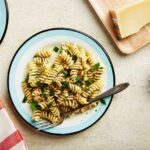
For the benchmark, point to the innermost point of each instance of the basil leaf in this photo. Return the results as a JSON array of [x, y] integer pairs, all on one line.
[[53, 65], [24, 99], [66, 73], [78, 80], [65, 85], [38, 83], [95, 66], [55, 49], [103, 101], [34, 105], [88, 82], [41, 85]]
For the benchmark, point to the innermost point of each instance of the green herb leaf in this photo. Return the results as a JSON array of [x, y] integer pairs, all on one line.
[[78, 80], [65, 85], [66, 73], [95, 66], [53, 65], [38, 83], [55, 49], [24, 99], [34, 105], [88, 82], [103, 101], [41, 85]]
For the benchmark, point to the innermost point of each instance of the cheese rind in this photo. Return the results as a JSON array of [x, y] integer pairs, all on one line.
[[131, 18]]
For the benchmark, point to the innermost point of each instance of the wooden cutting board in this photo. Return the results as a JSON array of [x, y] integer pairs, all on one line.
[[127, 45]]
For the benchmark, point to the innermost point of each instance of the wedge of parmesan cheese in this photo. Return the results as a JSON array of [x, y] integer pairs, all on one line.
[[131, 18]]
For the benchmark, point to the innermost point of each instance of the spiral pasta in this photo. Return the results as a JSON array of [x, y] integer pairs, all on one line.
[[48, 115], [94, 87], [43, 105], [40, 60], [38, 99], [33, 74], [82, 100], [68, 59], [37, 114], [65, 109], [68, 83], [70, 103], [44, 53], [27, 91], [55, 111], [75, 88]]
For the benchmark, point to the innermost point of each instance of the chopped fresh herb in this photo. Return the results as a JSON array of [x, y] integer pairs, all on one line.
[[41, 85], [38, 83], [78, 80], [53, 65], [103, 101], [66, 73], [88, 82], [95, 66], [24, 99], [34, 105], [65, 85], [55, 49]]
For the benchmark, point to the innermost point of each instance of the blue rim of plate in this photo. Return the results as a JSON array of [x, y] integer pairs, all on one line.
[[4, 19], [75, 32]]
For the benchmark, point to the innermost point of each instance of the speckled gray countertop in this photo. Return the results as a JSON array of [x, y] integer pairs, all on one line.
[[126, 125]]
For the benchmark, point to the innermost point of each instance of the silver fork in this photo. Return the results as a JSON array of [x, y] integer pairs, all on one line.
[[45, 124]]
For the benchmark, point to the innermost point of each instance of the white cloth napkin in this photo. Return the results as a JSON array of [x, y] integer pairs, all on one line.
[[10, 137]]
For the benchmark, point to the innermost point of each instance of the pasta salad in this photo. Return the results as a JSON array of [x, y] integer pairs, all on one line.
[[54, 89]]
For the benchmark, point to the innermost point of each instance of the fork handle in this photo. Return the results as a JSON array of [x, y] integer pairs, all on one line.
[[110, 92], [116, 89]]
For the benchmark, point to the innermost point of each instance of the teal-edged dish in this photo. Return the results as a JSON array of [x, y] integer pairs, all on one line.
[[3, 18], [47, 38]]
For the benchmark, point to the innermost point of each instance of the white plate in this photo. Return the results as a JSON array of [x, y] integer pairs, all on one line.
[[3, 18], [49, 38]]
